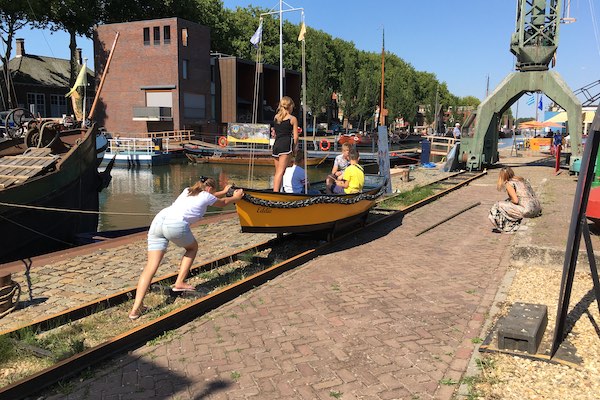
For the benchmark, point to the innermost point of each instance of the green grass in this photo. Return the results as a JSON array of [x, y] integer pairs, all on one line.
[[235, 375], [476, 340], [7, 348], [165, 337], [407, 198], [335, 394], [448, 381]]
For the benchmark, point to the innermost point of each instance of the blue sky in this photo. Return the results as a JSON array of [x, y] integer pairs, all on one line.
[[462, 42]]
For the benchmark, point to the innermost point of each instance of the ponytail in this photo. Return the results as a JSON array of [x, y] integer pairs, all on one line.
[[285, 107], [200, 185]]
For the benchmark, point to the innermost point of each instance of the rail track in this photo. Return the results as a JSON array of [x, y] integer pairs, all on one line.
[[246, 269]]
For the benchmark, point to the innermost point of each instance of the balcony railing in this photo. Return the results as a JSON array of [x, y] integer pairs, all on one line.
[[152, 114]]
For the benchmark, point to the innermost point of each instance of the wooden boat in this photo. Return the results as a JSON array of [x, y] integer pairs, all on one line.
[[245, 160], [53, 168], [270, 212], [357, 139]]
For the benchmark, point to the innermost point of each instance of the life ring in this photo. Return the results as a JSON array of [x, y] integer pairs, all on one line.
[[223, 141], [356, 139], [324, 145]]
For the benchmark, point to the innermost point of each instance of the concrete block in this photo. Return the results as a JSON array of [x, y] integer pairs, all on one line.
[[523, 328]]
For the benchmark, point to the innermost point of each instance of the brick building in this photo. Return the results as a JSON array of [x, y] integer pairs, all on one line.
[[159, 78], [162, 77], [40, 83]]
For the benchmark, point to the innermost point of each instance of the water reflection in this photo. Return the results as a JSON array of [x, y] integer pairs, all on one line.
[[148, 190]]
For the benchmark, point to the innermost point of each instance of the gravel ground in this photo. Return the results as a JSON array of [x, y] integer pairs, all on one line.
[[507, 377], [513, 377], [418, 176]]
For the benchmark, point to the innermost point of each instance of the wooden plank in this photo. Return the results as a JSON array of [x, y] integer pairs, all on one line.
[[24, 166], [24, 177], [7, 182]]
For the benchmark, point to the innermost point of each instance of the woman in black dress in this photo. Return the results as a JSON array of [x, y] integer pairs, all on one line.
[[286, 139]]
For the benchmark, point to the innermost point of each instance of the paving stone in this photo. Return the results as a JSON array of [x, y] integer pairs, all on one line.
[[385, 314]]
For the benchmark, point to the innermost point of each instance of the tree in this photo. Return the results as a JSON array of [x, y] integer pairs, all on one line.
[[14, 15], [349, 84], [318, 82], [76, 17]]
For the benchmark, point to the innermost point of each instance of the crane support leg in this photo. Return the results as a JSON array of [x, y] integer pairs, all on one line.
[[482, 147]]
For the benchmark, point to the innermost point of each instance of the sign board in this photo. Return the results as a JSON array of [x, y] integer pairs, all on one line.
[[248, 133], [383, 156]]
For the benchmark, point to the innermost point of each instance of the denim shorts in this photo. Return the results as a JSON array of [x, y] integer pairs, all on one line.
[[162, 230]]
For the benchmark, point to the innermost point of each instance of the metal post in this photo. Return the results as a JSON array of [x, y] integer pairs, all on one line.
[[280, 50]]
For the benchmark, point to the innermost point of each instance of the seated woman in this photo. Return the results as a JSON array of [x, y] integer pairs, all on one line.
[[522, 202]]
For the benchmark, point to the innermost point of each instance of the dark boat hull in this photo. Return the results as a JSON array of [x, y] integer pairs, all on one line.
[[74, 184]]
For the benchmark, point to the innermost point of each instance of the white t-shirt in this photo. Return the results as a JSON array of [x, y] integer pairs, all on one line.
[[190, 208], [341, 162], [293, 179], [456, 132]]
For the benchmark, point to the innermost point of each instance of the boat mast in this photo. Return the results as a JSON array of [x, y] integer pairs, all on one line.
[[280, 12], [84, 94], [280, 49], [301, 37]]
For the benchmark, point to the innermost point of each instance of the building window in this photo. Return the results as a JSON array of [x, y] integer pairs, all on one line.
[[167, 34], [146, 36], [156, 35], [58, 106], [36, 104], [194, 106], [184, 37], [185, 65]]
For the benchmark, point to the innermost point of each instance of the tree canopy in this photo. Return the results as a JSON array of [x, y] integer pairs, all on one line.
[[333, 65]]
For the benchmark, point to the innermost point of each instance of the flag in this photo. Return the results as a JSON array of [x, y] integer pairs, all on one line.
[[81, 80], [530, 100], [540, 105], [302, 32], [257, 37]]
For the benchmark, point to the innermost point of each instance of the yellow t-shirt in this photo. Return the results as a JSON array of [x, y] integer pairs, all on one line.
[[356, 178]]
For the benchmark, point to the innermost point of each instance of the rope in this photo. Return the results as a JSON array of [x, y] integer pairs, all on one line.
[[322, 199], [68, 210], [8, 297], [36, 232]]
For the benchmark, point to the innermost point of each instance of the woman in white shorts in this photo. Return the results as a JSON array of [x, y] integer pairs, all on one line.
[[173, 224]]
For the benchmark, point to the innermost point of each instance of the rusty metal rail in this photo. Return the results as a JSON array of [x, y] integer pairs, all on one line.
[[176, 318]]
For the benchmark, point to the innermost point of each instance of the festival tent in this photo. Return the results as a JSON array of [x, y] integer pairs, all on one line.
[[539, 124]]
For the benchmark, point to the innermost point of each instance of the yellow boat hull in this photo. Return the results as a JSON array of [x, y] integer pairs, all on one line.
[[320, 216]]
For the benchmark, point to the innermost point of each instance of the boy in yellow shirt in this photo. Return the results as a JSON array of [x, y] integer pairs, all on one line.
[[353, 178]]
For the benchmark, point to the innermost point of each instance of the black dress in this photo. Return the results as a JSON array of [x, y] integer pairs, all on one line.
[[284, 140]]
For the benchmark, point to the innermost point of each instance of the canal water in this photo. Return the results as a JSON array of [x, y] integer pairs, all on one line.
[[134, 196]]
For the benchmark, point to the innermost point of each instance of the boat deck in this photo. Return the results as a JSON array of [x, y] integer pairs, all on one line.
[[17, 169]]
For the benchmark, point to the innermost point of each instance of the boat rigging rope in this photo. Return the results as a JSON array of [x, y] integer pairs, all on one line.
[[323, 199], [9, 298], [93, 212]]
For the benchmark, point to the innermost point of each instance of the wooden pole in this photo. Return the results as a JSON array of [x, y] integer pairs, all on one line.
[[112, 51]]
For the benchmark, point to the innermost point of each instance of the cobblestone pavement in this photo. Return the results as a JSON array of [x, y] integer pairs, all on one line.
[[386, 315], [107, 268], [102, 269]]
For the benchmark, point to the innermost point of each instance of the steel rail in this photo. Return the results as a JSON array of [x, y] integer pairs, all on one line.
[[89, 308], [176, 318]]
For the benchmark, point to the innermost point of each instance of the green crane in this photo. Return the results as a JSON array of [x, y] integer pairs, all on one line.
[[534, 44]]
